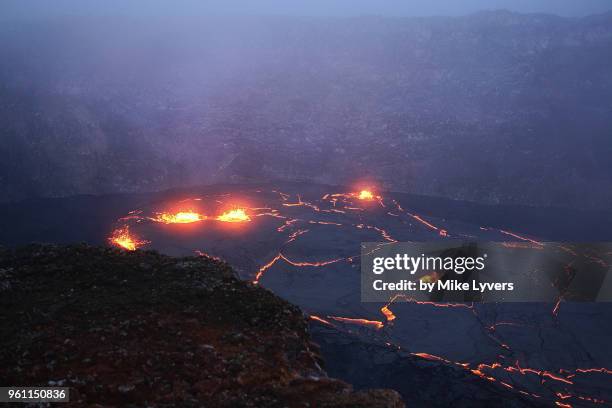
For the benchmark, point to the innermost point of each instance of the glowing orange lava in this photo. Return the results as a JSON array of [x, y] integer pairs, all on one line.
[[121, 237], [366, 195], [388, 313], [182, 217], [280, 256], [320, 320], [373, 324], [237, 215]]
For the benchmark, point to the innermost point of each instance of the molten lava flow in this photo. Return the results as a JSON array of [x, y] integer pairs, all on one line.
[[388, 313], [121, 237], [237, 215], [182, 217], [320, 320], [366, 195], [430, 357], [512, 234], [374, 324], [427, 224]]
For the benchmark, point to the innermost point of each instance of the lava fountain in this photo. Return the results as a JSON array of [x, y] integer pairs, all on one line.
[[237, 215], [182, 217], [366, 195], [121, 237]]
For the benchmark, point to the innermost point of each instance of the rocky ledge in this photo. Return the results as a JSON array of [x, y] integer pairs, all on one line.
[[143, 329]]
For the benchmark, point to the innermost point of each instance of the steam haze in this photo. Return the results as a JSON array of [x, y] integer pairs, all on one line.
[[105, 97]]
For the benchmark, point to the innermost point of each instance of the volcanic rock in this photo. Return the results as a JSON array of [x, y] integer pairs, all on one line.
[[142, 329]]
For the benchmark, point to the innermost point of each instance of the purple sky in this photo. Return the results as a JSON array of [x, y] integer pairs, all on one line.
[[42, 8]]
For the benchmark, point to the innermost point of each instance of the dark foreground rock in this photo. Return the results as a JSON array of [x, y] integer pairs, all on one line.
[[144, 329]]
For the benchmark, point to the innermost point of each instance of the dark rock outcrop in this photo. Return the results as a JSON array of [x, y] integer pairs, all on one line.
[[140, 328]]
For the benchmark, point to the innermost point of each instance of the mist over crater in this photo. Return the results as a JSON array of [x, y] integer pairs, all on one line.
[[494, 107]]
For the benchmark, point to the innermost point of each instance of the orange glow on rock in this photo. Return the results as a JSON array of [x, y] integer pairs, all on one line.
[[237, 215]]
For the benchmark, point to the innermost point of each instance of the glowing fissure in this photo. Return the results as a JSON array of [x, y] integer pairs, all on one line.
[[481, 369], [382, 232], [287, 224], [373, 324], [422, 221], [301, 203], [522, 238], [295, 235], [320, 320], [325, 223], [280, 256]]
